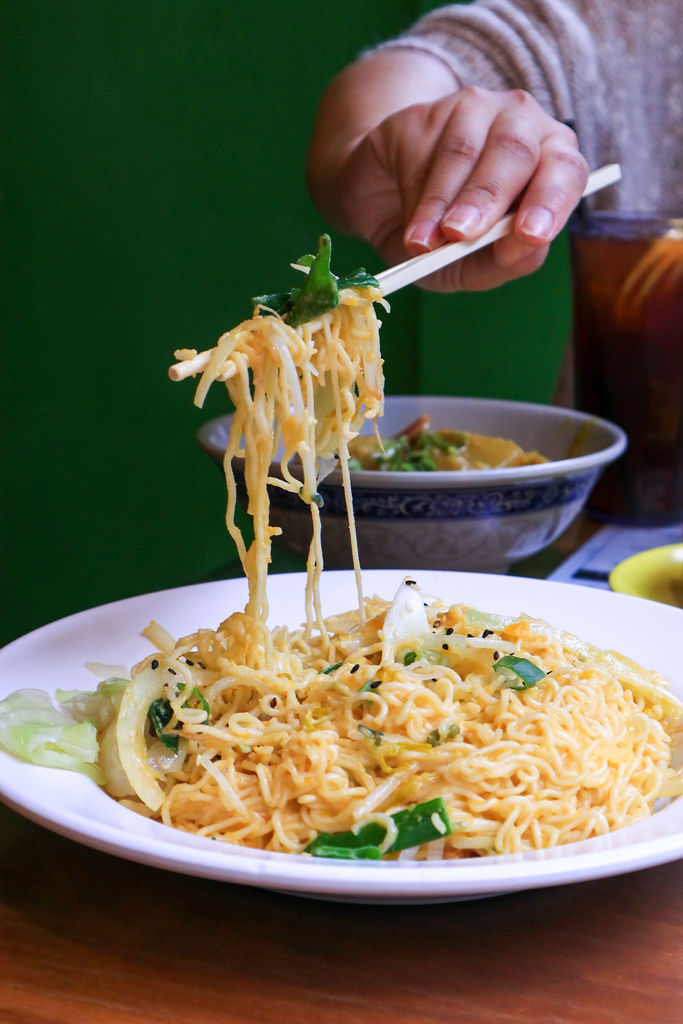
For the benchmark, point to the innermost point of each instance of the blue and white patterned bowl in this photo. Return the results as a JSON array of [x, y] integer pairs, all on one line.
[[469, 520]]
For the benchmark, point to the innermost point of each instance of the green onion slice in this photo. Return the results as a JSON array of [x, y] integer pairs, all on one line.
[[520, 673], [417, 825], [372, 734]]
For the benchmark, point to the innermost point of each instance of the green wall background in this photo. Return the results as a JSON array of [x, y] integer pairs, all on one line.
[[152, 180]]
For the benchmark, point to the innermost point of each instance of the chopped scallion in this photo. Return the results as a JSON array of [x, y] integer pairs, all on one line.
[[520, 673], [372, 734], [415, 826]]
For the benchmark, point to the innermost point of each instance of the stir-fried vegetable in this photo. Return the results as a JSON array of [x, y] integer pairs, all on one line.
[[414, 826], [146, 687], [320, 292], [34, 730], [405, 620], [404, 454], [519, 673], [160, 715], [331, 668]]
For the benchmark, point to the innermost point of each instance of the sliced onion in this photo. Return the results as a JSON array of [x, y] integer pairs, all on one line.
[[145, 687]]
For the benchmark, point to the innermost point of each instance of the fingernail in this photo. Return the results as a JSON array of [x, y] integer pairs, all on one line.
[[465, 219], [422, 234], [537, 222]]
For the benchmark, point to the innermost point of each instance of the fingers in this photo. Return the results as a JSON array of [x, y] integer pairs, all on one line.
[[450, 168], [494, 148], [458, 135], [552, 193]]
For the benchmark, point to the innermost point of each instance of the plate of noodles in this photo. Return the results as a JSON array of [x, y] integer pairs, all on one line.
[[554, 768]]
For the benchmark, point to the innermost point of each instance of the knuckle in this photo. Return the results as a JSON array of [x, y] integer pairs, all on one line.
[[567, 135], [484, 192], [471, 95], [521, 99], [460, 147], [573, 161], [517, 143]]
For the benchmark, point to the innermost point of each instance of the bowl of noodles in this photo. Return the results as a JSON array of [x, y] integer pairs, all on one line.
[[506, 478]]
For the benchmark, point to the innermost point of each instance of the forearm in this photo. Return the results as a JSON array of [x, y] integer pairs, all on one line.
[[356, 101]]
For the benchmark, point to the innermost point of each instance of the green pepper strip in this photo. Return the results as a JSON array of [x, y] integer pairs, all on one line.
[[319, 294], [331, 668], [415, 827], [513, 668], [346, 852]]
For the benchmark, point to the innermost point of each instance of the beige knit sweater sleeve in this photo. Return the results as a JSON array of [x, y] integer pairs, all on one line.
[[612, 68]]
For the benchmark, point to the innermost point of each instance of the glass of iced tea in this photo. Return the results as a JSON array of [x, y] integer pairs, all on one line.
[[627, 274]]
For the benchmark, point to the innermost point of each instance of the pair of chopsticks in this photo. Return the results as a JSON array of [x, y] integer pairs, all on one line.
[[421, 266]]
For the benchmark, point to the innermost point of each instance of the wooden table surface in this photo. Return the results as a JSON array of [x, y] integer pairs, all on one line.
[[87, 938]]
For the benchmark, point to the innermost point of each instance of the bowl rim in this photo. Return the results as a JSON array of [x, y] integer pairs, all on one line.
[[421, 480]]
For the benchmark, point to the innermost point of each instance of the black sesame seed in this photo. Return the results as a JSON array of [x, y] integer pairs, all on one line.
[[496, 655], [172, 671], [355, 669], [188, 662], [487, 632], [470, 635], [448, 630], [411, 583], [155, 663], [375, 683], [444, 647]]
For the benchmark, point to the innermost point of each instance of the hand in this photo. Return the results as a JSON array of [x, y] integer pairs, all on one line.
[[448, 168]]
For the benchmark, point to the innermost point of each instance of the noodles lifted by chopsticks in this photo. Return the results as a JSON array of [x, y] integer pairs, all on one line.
[[300, 395]]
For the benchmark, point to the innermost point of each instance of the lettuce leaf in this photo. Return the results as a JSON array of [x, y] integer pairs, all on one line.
[[34, 730]]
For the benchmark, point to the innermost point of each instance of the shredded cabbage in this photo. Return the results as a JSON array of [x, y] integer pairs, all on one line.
[[34, 730], [99, 706]]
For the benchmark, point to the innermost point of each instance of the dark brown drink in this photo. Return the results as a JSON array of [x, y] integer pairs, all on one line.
[[628, 339]]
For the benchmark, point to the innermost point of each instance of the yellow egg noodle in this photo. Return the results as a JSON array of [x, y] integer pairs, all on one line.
[[332, 734], [413, 727]]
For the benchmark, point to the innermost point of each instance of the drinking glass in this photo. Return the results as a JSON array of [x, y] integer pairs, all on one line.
[[627, 271]]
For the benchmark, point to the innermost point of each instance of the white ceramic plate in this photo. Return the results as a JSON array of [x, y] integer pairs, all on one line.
[[54, 656]]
